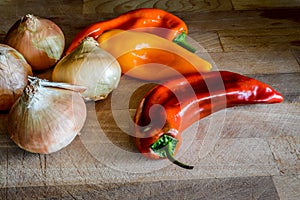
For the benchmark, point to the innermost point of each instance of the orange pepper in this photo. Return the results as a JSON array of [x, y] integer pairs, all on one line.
[[149, 57]]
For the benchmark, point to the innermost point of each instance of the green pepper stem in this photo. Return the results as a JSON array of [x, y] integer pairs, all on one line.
[[169, 154], [165, 146], [181, 41]]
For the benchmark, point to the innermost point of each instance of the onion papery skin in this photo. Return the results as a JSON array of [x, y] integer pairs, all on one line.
[[39, 40], [90, 66], [13, 76], [45, 119]]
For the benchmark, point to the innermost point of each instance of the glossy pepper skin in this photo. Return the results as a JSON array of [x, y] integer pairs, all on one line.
[[139, 18], [149, 57], [178, 103]]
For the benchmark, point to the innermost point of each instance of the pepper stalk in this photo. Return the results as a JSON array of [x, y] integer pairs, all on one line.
[[180, 39], [165, 147]]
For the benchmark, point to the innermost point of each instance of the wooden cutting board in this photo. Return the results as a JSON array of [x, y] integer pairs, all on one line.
[[249, 152]]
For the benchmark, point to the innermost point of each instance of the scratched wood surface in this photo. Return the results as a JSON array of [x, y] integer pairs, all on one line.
[[250, 152]]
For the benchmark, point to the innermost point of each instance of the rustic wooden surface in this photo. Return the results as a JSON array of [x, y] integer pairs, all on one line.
[[250, 152]]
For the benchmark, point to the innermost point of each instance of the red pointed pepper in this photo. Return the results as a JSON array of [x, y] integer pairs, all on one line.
[[145, 19], [168, 109]]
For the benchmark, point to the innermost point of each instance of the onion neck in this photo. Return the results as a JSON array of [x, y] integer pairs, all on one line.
[[29, 22], [30, 90], [88, 45]]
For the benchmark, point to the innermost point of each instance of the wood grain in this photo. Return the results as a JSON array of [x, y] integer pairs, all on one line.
[[287, 186], [121, 6], [264, 4], [258, 62], [249, 152], [254, 40], [233, 188]]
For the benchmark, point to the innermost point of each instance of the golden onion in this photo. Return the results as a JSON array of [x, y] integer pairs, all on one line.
[[13, 76], [91, 66], [39, 40], [47, 117]]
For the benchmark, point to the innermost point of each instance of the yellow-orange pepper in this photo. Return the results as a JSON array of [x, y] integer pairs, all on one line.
[[149, 57]]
